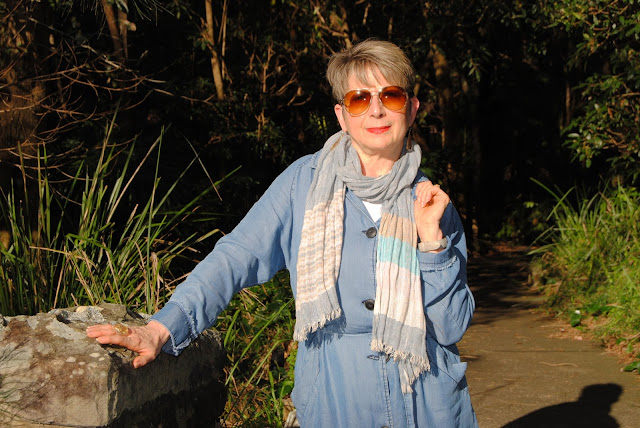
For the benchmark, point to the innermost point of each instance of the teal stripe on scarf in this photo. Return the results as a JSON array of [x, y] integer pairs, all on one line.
[[393, 250]]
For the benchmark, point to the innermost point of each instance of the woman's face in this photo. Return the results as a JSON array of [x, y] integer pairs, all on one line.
[[379, 132]]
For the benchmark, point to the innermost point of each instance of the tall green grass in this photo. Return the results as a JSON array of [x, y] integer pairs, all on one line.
[[589, 265], [257, 328], [84, 244]]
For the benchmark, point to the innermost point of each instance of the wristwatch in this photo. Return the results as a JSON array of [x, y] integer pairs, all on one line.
[[440, 244]]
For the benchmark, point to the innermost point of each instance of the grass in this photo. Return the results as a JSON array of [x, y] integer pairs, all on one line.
[[257, 328], [83, 241], [589, 266], [84, 244]]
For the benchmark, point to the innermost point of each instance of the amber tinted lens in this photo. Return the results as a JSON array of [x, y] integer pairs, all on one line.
[[393, 97], [357, 102]]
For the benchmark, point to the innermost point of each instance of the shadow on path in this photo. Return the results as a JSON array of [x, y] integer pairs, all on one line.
[[591, 410], [498, 280], [523, 370]]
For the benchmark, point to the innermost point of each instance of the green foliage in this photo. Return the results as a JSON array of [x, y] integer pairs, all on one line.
[[575, 319], [590, 265], [84, 246], [257, 328], [524, 222], [633, 366], [605, 57]]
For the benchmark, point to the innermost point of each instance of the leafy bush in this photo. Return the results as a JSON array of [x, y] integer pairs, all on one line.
[[590, 266], [604, 56]]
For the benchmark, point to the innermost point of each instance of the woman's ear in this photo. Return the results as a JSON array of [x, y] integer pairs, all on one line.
[[415, 105], [339, 114]]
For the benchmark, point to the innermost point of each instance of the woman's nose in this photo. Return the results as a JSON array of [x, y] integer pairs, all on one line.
[[376, 109]]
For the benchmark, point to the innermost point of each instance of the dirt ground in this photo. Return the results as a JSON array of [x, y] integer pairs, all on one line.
[[527, 369]]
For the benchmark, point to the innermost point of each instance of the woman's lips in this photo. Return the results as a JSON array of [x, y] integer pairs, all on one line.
[[378, 129]]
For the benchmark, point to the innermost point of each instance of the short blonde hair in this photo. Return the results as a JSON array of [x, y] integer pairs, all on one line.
[[369, 55]]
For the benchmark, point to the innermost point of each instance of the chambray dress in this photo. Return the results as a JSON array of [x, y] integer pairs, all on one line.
[[339, 381]]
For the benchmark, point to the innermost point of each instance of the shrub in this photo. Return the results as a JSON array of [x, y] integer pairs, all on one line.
[[590, 264]]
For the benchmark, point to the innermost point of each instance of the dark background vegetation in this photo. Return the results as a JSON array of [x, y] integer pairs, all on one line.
[[509, 91], [530, 119]]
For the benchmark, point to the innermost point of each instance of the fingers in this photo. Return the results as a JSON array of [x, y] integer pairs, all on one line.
[[142, 360], [427, 192], [429, 207], [108, 334], [100, 330]]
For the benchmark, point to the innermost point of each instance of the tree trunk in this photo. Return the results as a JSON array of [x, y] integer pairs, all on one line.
[[20, 113], [215, 62], [122, 26], [112, 24]]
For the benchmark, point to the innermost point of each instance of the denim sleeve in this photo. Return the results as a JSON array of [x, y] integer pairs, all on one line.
[[448, 302], [251, 254]]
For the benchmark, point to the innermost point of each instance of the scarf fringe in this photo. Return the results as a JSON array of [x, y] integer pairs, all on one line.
[[410, 365], [421, 363], [301, 333], [410, 373]]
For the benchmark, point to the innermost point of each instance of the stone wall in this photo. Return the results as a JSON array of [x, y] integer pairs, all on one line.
[[52, 374]]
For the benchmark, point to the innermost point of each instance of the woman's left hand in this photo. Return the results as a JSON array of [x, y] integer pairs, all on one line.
[[430, 204]]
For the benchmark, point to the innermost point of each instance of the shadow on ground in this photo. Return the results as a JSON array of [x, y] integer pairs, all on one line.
[[498, 280], [590, 410]]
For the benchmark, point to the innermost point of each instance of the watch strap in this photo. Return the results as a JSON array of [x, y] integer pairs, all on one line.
[[425, 246]]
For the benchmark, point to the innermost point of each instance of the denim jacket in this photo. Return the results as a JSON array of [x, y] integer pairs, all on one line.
[[339, 380]]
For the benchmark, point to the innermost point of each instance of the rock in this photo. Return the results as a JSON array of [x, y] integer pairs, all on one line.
[[52, 373]]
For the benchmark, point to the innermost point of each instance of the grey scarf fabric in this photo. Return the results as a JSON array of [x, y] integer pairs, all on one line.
[[399, 323]]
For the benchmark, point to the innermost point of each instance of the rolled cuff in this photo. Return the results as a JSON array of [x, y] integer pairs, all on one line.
[[436, 261], [180, 327]]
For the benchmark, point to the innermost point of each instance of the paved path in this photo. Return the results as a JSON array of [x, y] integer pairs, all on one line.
[[526, 369]]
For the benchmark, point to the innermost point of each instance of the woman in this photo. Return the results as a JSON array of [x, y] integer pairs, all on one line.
[[377, 258]]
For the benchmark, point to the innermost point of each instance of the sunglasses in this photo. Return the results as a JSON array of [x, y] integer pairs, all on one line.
[[357, 102]]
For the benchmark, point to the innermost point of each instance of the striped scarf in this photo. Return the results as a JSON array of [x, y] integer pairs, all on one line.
[[399, 323]]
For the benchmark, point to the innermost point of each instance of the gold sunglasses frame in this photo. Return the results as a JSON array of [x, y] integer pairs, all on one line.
[[372, 93]]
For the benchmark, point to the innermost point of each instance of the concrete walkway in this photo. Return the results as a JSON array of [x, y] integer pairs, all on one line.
[[527, 369]]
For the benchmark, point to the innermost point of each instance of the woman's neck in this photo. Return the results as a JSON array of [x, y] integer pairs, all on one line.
[[376, 165]]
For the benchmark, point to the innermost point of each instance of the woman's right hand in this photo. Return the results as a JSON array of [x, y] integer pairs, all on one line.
[[147, 341], [429, 207]]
